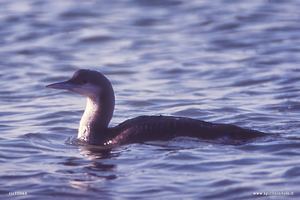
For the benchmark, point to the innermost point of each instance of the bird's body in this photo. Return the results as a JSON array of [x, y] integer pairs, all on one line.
[[163, 128], [99, 111]]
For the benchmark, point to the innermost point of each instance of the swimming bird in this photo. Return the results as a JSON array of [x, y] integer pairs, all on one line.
[[100, 107]]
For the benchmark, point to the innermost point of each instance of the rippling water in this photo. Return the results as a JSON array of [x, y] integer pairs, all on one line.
[[223, 61]]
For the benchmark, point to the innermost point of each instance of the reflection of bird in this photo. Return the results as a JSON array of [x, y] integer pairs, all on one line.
[[99, 111]]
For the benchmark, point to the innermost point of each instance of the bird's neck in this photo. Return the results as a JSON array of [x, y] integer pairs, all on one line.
[[96, 117], [87, 119]]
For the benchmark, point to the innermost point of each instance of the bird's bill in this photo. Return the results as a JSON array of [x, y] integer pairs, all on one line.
[[62, 85]]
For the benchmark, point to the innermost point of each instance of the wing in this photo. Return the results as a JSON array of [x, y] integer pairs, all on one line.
[[154, 128]]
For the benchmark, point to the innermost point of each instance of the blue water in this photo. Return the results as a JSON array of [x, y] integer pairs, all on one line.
[[223, 61]]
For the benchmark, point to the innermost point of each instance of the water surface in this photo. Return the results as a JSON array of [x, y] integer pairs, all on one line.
[[227, 61]]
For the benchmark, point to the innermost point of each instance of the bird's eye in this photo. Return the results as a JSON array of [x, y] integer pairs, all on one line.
[[84, 81]]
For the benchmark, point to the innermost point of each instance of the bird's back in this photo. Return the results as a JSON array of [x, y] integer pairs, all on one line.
[[153, 128]]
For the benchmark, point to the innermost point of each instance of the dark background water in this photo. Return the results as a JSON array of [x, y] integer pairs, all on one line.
[[223, 61]]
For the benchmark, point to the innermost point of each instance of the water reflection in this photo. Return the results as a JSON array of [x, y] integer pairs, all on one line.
[[94, 171], [97, 152]]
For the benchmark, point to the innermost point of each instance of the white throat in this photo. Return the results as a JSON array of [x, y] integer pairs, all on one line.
[[87, 118]]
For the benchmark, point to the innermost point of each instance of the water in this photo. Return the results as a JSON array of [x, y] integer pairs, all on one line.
[[222, 61]]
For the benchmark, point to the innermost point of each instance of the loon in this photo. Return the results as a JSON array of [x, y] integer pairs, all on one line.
[[100, 107]]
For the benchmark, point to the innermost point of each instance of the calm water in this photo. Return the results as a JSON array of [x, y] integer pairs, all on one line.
[[223, 61]]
